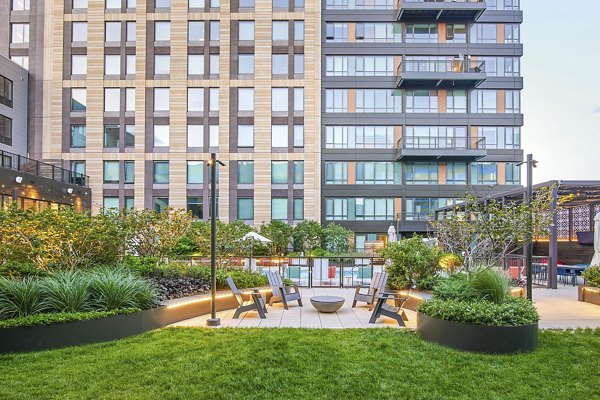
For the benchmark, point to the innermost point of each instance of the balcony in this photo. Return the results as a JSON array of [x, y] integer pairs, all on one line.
[[28, 165], [440, 10], [441, 148], [440, 74]]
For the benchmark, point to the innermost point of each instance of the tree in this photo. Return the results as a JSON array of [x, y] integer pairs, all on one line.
[[336, 238], [307, 236], [280, 233], [156, 233], [230, 239]]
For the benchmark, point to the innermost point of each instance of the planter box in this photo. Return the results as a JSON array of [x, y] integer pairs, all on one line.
[[478, 338], [589, 294]]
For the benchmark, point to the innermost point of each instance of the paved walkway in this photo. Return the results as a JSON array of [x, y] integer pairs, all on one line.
[[559, 309]]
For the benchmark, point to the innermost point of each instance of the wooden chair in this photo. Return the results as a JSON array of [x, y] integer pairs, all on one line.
[[256, 302], [387, 310], [281, 292], [377, 284]]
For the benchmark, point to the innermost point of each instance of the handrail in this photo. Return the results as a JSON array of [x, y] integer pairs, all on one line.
[[440, 142], [441, 66], [28, 165]]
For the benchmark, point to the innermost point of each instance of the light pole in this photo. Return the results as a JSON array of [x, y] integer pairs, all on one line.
[[212, 164], [531, 164]]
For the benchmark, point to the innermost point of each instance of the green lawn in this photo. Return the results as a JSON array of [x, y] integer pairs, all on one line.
[[189, 363]]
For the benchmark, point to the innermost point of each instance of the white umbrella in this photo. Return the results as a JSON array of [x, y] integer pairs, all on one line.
[[392, 234], [257, 237], [596, 259]]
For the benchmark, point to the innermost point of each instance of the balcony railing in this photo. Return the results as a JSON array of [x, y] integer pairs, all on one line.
[[441, 66], [415, 216], [441, 1], [28, 165], [469, 10], [436, 74], [441, 142]]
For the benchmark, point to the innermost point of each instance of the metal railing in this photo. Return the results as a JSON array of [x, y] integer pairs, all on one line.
[[416, 216], [441, 1], [441, 66], [440, 143], [28, 165], [514, 265]]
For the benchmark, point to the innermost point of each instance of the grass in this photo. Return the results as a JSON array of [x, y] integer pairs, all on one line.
[[191, 363]]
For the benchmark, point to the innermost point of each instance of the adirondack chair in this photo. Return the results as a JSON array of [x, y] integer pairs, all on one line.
[[383, 309], [378, 283], [281, 292], [256, 302]]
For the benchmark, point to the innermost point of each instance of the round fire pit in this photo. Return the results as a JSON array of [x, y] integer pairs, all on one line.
[[327, 304]]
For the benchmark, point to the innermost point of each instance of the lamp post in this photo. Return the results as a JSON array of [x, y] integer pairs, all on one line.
[[212, 164], [531, 164]]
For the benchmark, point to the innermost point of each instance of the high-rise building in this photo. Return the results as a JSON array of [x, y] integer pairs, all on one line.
[[363, 112]]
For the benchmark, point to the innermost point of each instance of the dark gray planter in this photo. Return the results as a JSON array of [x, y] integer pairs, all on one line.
[[478, 338]]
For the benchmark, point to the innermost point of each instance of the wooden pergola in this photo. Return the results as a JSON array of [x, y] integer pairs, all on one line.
[[573, 225]]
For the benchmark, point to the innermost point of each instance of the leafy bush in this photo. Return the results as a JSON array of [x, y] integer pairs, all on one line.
[[21, 269], [512, 312], [20, 298], [429, 282], [336, 238], [55, 318], [490, 285], [307, 236], [592, 276], [411, 261], [456, 287], [175, 288]]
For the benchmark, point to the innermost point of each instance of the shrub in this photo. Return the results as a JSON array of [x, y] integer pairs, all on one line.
[[490, 285], [21, 269], [307, 236], [336, 238], [592, 276], [512, 312], [456, 287], [67, 291], [20, 298], [113, 289], [54, 318], [429, 283]]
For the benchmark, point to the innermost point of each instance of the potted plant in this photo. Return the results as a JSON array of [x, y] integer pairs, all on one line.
[[590, 292]]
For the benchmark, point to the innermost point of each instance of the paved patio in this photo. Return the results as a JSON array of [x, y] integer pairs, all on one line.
[[559, 309]]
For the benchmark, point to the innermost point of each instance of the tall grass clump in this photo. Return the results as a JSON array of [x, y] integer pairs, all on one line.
[[490, 285], [113, 289], [21, 298], [68, 291]]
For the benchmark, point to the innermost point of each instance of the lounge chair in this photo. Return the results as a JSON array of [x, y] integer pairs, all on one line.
[[281, 292], [377, 284], [256, 302], [387, 310]]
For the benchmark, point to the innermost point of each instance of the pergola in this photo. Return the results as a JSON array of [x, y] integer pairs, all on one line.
[[580, 202]]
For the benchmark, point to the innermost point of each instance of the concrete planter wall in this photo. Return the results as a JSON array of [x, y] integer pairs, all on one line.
[[589, 294], [478, 338], [110, 328]]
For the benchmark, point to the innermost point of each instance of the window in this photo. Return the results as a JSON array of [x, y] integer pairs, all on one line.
[[246, 64], [130, 64], [213, 97], [162, 64], [245, 99], [213, 136], [421, 173], [162, 31], [195, 99], [512, 33], [512, 101], [298, 172], [499, 137], [80, 4], [279, 209], [195, 136], [112, 64], [78, 172], [160, 204], [245, 172], [78, 136], [299, 31], [378, 32], [245, 136], [196, 3], [374, 209], [280, 31], [20, 5], [279, 100], [298, 209], [483, 33], [130, 31], [336, 172], [161, 172], [421, 101], [280, 64], [110, 203], [6, 131], [112, 32], [456, 174], [195, 171], [111, 136], [111, 171], [279, 136], [214, 3], [298, 64], [298, 136], [161, 99], [129, 171], [6, 91], [163, 3], [196, 31], [196, 64], [512, 66], [336, 209], [421, 33], [214, 31], [336, 100], [194, 205], [456, 33], [376, 173], [298, 99], [336, 32], [161, 135], [112, 100], [377, 101], [456, 101], [484, 101], [245, 209], [129, 99], [78, 64], [246, 30], [246, 4], [79, 33], [19, 33], [484, 173], [78, 99], [435, 137], [129, 203], [23, 61], [113, 4], [513, 174], [421, 208], [129, 135], [281, 4], [213, 67], [279, 172], [359, 137]]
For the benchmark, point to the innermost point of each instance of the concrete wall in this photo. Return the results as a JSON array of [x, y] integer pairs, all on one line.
[[18, 111]]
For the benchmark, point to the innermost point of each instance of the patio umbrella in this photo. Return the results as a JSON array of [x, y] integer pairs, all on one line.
[[255, 236], [596, 259], [392, 234]]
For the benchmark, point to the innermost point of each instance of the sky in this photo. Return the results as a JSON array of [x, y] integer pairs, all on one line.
[[561, 96]]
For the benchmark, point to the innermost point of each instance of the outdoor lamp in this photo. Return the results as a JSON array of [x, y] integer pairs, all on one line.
[[18, 179]]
